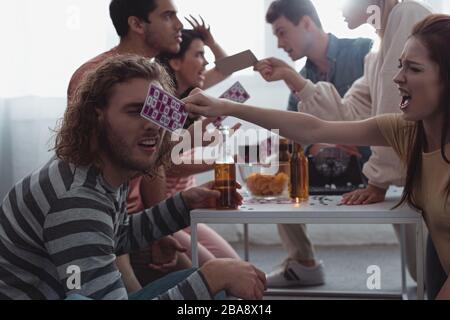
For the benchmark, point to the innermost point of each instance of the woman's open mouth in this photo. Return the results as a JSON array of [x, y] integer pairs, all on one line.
[[406, 99], [405, 102]]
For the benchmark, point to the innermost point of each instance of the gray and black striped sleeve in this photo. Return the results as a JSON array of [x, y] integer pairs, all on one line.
[[78, 233], [194, 287], [152, 224]]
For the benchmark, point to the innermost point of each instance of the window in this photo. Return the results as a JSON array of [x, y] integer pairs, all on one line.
[[47, 40]]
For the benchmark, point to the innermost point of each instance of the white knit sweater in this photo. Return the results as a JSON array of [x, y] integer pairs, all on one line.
[[374, 94]]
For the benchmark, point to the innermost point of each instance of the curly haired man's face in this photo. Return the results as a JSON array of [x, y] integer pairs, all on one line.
[[128, 140]]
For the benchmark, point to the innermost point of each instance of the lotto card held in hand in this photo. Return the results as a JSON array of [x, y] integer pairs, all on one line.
[[164, 110], [236, 93], [237, 62]]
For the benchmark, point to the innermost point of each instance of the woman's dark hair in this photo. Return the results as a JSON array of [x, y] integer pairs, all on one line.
[[188, 36], [434, 33]]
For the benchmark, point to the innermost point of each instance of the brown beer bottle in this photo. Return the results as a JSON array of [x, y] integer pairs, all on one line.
[[299, 180], [284, 150], [225, 174], [284, 156]]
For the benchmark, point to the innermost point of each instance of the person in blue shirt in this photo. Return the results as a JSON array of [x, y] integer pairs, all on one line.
[[299, 31]]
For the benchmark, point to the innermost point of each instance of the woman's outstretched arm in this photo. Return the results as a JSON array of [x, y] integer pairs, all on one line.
[[301, 127], [212, 76]]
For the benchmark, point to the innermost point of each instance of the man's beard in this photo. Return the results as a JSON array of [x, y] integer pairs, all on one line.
[[119, 153], [152, 40]]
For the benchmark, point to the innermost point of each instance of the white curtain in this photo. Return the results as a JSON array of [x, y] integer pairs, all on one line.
[[44, 42], [26, 126]]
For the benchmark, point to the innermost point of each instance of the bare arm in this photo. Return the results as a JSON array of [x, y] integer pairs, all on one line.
[[213, 76], [308, 129], [153, 189], [301, 127]]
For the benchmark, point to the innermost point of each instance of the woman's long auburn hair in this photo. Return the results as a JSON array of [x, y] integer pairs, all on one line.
[[78, 133], [434, 33]]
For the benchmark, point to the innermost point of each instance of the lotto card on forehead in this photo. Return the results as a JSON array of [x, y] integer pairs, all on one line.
[[165, 110], [236, 93]]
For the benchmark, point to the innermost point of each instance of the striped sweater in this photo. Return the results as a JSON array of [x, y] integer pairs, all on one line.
[[64, 223]]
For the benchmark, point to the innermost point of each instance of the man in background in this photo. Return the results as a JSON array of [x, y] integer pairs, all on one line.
[[299, 31]]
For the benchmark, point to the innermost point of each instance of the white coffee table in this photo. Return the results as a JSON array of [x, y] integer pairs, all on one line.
[[325, 212]]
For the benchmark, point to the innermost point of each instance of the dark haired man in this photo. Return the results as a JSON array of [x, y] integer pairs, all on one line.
[[145, 27], [299, 31]]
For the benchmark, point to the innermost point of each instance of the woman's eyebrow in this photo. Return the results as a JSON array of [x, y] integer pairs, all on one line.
[[409, 61]]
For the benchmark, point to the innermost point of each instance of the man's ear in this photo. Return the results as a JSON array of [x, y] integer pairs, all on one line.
[[306, 22], [136, 25], [175, 64]]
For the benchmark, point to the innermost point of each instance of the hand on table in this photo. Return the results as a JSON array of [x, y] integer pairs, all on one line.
[[369, 195]]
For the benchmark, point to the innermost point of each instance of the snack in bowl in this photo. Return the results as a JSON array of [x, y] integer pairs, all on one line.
[[267, 185]]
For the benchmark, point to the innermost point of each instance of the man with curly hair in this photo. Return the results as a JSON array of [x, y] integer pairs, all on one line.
[[62, 227], [145, 28]]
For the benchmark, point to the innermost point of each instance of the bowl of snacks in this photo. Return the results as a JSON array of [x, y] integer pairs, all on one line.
[[262, 181]]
